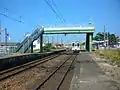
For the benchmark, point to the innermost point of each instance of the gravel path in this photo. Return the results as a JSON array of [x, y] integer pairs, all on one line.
[[112, 71]]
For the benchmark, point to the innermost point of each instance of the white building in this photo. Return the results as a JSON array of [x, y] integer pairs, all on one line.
[[36, 44], [8, 48], [99, 44], [118, 45]]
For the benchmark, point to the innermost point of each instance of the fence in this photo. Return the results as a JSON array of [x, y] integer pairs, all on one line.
[[7, 50]]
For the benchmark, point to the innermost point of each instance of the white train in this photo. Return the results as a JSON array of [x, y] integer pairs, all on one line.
[[76, 46]]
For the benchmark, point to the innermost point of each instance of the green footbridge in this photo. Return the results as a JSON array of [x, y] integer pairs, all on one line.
[[38, 33]]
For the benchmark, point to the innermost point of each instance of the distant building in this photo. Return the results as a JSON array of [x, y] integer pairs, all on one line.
[[9, 47], [118, 45], [99, 44], [102, 44], [67, 46], [59, 46], [36, 44], [9, 43], [95, 44]]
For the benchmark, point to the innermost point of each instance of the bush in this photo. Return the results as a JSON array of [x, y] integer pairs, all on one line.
[[112, 55], [48, 47], [36, 50]]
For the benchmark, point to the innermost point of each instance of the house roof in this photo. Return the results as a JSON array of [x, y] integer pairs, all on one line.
[[9, 43]]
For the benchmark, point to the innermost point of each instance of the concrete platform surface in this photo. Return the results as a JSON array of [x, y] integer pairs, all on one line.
[[89, 76]]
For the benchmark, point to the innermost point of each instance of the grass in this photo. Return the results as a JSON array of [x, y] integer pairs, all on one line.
[[112, 55]]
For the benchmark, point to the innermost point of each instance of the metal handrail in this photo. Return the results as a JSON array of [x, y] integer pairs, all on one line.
[[35, 35]]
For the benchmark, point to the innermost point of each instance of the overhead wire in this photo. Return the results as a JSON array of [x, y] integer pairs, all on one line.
[[5, 15], [11, 17], [49, 4], [58, 10], [57, 18]]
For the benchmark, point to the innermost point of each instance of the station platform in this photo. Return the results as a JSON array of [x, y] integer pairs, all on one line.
[[89, 76]]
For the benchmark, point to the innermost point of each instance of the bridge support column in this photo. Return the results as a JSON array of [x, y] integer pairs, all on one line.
[[31, 48], [41, 43], [89, 41]]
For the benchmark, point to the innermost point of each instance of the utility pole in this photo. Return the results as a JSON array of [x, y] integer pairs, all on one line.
[[5, 15], [48, 39], [44, 40], [107, 39], [0, 31], [6, 39], [104, 37], [61, 41], [57, 39], [52, 40]]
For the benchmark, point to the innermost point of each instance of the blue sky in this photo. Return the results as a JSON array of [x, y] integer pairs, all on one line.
[[75, 12]]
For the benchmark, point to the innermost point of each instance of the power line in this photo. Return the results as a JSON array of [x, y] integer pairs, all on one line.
[[10, 17], [5, 15], [48, 2], [57, 18], [58, 10]]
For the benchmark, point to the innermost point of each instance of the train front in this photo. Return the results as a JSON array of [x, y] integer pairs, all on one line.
[[75, 46]]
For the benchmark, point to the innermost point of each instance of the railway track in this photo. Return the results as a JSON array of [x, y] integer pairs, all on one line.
[[18, 69], [58, 72]]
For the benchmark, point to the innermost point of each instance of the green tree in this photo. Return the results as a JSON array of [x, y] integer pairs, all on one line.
[[118, 39], [113, 39], [48, 47], [100, 36]]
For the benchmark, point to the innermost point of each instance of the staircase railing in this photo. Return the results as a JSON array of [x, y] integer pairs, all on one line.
[[26, 43]]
